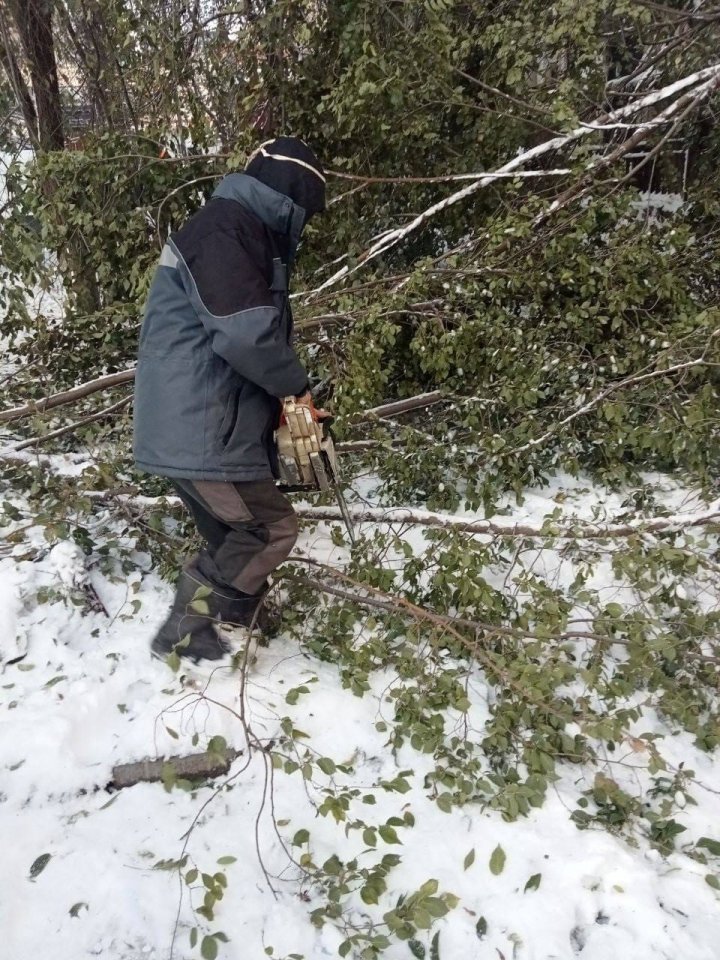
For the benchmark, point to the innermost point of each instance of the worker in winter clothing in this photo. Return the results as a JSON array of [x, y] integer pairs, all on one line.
[[215, 360]]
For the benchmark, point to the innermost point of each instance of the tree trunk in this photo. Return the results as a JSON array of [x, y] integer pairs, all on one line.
[[33, 21], [17, 82]]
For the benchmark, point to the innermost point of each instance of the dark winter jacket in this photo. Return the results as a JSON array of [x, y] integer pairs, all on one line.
[[215, 352]]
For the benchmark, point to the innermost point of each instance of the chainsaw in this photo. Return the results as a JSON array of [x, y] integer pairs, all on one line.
[[306, 455]]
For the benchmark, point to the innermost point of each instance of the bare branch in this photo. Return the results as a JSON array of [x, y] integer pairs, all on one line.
[[400, 406]]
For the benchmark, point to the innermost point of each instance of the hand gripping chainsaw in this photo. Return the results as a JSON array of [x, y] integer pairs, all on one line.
[[306, 455]]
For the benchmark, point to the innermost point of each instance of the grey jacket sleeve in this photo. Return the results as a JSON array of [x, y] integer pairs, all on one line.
[[235, 305], [252, 342]]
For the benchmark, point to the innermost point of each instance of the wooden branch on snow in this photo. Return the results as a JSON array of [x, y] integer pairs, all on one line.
[[194, 766], [381, 600], [565, 528]]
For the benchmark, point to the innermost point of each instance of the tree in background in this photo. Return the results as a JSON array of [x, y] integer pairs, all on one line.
[[425, 275]]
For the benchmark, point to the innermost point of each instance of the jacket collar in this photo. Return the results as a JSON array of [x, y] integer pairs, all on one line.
[[276, 211]]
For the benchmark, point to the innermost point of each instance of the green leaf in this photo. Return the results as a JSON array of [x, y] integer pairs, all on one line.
[[193, 936], [614, 610], [417, 949], [481, 927], [388, 834], [168, 776], [368, 894], [435, 947], [497, 861], [712, 881], [435, 906], [712, 845], [326, 765], [173, 661], [333, 866], [225, 861], [429, 888], [301, 837], [208, 948], [217, 745], [191, 876], [39, 864], [469, 859], [533, 883], [202, 607]]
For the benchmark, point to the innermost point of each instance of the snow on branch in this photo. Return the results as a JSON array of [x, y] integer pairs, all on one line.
[[708, 78], [566, 528]]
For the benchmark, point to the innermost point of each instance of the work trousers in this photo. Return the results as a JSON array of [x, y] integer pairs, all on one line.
[[249, 529]]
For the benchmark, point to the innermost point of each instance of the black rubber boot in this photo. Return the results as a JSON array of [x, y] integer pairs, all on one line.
[[234, 607], [205, 643]]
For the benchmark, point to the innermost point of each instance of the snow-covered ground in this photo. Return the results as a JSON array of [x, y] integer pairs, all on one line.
[[80, 876]]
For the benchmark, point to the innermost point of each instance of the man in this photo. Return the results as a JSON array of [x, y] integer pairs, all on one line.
[[215, 360]]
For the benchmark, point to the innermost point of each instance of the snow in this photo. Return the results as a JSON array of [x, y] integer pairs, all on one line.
[[662, 202], [87, 696]]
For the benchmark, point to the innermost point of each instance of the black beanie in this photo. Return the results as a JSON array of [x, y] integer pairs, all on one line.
[[289, 166]]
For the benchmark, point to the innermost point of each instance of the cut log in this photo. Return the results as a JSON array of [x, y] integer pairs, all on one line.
[[194, 766]]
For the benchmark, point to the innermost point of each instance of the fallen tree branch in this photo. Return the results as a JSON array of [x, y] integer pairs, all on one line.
[[565, 528], [68, 396], [70, 427], [399, 406], [126, 376], [194, 766], [392, 604], [683, 105], [448, 178], [608, 391], [390, 238], [492, 663]]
